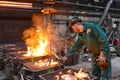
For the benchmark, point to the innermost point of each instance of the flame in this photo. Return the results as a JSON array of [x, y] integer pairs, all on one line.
[[39, 41], [81, 74], [48, 10], [46, 62]]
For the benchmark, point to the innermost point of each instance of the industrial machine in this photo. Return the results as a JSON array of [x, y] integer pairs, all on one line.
[[25, 64]]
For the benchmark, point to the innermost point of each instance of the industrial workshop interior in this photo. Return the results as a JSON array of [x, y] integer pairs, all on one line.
[[37, 35]]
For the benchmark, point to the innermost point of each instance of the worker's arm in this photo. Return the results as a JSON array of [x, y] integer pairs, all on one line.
[[78, 44]]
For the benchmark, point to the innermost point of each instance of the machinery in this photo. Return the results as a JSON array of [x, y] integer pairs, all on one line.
[[29, 67], [67, 74]]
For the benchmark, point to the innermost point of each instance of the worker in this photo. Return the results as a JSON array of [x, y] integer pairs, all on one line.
[[94, 37]]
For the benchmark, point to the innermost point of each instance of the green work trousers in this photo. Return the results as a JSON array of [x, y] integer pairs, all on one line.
[[93, 45]]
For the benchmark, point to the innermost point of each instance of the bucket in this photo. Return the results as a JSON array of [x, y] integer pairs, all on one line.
[[117, 42]]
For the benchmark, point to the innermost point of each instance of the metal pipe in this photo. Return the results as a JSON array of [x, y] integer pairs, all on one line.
[[84, 5], [105, 12], [64, 11], [30, 5], [18, 9], [15, 4]]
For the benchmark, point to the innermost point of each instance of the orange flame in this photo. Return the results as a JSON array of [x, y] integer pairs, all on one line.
[[46, 62], [39, 41], [81, 74]]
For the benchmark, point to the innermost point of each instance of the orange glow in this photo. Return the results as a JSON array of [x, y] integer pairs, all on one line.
[[46, 62], [39, 42], [81, 74], [48, 10]]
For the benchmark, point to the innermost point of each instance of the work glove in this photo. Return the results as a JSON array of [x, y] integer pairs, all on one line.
[[63, 59], [102, 58], [102, 61]]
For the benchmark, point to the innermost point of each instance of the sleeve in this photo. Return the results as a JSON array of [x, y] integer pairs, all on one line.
[[101, 37], [78, 44]]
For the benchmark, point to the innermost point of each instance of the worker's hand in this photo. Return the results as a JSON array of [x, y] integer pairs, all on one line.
[[64, 59], [102, 58], [102, 61]]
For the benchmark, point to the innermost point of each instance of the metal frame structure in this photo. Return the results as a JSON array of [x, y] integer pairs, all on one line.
[[64, 8]]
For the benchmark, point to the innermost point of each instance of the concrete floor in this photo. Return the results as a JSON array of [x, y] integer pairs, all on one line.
[[86, 66]]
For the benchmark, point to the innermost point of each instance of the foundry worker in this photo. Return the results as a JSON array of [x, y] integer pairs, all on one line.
[[94, 37]]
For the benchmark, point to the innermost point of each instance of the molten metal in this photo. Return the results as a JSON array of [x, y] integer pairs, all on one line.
[[70, 75]]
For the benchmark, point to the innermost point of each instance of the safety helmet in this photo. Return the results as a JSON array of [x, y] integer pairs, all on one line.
[[74, 20]]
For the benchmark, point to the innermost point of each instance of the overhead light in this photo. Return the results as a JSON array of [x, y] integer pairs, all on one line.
[[15, 4], [83, 12], [48, 10], [96, 1], [49, 2]]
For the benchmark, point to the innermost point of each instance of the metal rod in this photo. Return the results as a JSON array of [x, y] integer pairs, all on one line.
[[84, 5], [105, 12], [16, 4], [110, 35], [56, 56]]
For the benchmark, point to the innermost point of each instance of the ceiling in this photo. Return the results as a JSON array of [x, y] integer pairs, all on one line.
[[65, 7]]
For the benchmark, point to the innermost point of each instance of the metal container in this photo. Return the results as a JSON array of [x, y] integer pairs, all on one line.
[[51, 76], [33, 67], [21, 57], [32, 70]]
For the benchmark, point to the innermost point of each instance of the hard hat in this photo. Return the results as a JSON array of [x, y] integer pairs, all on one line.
[[74, 20]]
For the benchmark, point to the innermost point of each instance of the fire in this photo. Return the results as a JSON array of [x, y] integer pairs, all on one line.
[[71, 75], [39, 39], [37, 43], [81, 74], [49, 10], [46, 62]]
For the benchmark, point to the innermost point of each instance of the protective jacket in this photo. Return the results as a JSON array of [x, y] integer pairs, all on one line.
[[96, 40]]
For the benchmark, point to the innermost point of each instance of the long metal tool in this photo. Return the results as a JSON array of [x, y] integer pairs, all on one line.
[[60, 60], [56, 56]]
